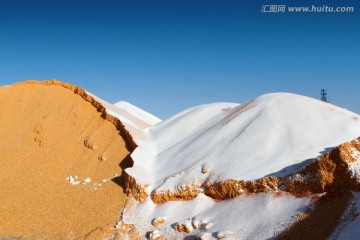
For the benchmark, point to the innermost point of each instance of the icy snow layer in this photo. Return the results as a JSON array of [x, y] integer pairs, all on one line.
[[135, 120], [254, 216], [272, 135]]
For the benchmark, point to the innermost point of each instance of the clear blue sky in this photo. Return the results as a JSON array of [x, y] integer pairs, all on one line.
[[165, 56]]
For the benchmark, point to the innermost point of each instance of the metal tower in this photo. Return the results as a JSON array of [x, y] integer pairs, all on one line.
[[323, 94]]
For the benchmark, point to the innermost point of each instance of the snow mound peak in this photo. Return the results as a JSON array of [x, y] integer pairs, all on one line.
[[272, 135]]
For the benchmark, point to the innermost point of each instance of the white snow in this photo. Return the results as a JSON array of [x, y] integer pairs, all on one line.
[[273, 135], [137, 113], [348, 228], [354, 153], [175, 132], [158, 221], [72, 180], [355, 168], [256, 216], [156, 234], [224, 234], [135, 120], [204, 236]]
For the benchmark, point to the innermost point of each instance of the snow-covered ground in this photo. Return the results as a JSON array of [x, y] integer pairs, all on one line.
[[255, 216], [273, 135], [348, 229]]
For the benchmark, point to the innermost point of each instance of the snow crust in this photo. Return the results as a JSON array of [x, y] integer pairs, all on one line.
[[255, 216], [272, 135]]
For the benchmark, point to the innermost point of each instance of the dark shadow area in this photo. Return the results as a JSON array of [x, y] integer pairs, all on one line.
[[129, 141], [190, 237], [125, 163], [326, 150], [214, 234], [322, 221], [298, 166], [147, 235], [173, 225], [291, 169]]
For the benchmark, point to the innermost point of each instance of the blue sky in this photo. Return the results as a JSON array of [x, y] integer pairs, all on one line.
[[166, 56]]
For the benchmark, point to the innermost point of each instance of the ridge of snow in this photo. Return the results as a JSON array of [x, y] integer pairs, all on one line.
[[135, 120], [137, 112]]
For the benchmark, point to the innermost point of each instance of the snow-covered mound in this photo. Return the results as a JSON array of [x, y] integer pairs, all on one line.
[[273, 135], [259, 216], [320, 201], [135, 120]]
